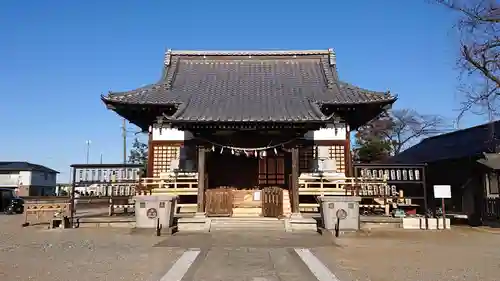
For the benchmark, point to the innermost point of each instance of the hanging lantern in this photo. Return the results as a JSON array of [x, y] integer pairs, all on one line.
[[275, 151], [232, 151], [221, 150], [213, 147], [264, 153]]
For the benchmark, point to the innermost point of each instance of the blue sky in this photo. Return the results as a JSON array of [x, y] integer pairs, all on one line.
[[58, 57]]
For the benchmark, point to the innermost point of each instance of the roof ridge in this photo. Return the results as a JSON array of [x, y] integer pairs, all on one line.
[[170, 52], [462, 130]]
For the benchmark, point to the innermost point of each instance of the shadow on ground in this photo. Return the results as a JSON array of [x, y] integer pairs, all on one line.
[[257, 239]]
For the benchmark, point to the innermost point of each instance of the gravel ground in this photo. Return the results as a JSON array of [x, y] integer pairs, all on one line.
[[35, 253], [459, 254]]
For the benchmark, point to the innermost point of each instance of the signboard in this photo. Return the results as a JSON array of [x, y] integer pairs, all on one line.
[[106, 173], [391, 174], [256, 195], [442, 191]]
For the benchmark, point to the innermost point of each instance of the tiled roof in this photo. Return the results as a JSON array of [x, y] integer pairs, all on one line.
[[470, 142], [24, 166], [249, 86]]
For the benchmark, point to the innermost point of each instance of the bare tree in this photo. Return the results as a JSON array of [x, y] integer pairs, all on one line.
[[479, 28], [408, 127], [394, 131]]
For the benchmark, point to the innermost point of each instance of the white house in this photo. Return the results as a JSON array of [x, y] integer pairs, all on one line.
[[31, 179]]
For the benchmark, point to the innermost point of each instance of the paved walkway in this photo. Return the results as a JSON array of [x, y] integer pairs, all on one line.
[[249, 256]]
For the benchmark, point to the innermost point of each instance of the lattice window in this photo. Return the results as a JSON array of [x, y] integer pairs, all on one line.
[[272, 171], [337, 152], [307, 158], [162, 157]]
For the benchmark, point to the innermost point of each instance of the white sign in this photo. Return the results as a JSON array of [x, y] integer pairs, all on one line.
[[442, 191], [256, 195]]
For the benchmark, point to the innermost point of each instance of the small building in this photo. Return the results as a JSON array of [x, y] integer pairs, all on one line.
[[467, 160], [249, 119], [30, 179]]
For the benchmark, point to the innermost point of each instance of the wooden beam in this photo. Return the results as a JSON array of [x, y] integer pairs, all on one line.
[[294, 190], [201, 180]]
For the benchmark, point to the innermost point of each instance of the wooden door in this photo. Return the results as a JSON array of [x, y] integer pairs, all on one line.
[[272, 202], [272, 171], [219, 202]]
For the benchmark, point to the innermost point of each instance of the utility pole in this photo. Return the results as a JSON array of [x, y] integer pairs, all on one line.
[[124, 135], [88, 142]]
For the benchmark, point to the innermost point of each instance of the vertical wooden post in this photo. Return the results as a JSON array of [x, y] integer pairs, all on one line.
[[149, 167], [347, 153], [295, 180], [201, 180]]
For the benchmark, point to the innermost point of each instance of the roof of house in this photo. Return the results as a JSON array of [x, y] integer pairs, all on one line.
[[249, 86], [470, 142], [24, 166]]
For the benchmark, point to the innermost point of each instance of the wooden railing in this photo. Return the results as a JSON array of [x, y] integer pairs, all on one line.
[[327, 185], [324, 185], [172, 183]]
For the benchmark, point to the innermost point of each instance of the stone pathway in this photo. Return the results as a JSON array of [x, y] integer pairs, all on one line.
[[228, 256]]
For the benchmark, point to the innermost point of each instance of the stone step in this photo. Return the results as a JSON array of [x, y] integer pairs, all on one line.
[[246, 227], [246, 223], [287, 207], [236, 220]]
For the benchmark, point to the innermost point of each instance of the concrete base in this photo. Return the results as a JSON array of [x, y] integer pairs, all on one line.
[[244, 224], [148, 231], [297, 222], [116, 224], [419, 223], [198, 223]]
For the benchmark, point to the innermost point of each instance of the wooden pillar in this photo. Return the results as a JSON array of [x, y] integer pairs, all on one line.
[[149, 168], [201, 180], [295, 180], [347, 153]]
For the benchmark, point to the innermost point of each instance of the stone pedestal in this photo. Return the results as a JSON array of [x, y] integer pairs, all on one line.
[[348, 205], [153, 209]]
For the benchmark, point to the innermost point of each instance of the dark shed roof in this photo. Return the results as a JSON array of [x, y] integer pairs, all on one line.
[[249, 86], [470, 142], [24, 166]]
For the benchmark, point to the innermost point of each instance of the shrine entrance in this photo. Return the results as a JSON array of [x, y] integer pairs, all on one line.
[[244, 184]]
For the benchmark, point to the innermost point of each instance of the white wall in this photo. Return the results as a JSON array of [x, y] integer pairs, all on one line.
[[169, 134], [331, 132], [9, 179]]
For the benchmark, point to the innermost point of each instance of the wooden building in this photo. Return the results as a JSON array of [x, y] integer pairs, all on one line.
[[248, 119], [468, 161]]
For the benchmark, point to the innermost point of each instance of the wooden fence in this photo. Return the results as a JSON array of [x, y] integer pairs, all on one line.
[[219, 202], [492, 208], [272, 202]]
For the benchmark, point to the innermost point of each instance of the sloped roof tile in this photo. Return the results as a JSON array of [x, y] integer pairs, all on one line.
[[249, 86]]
